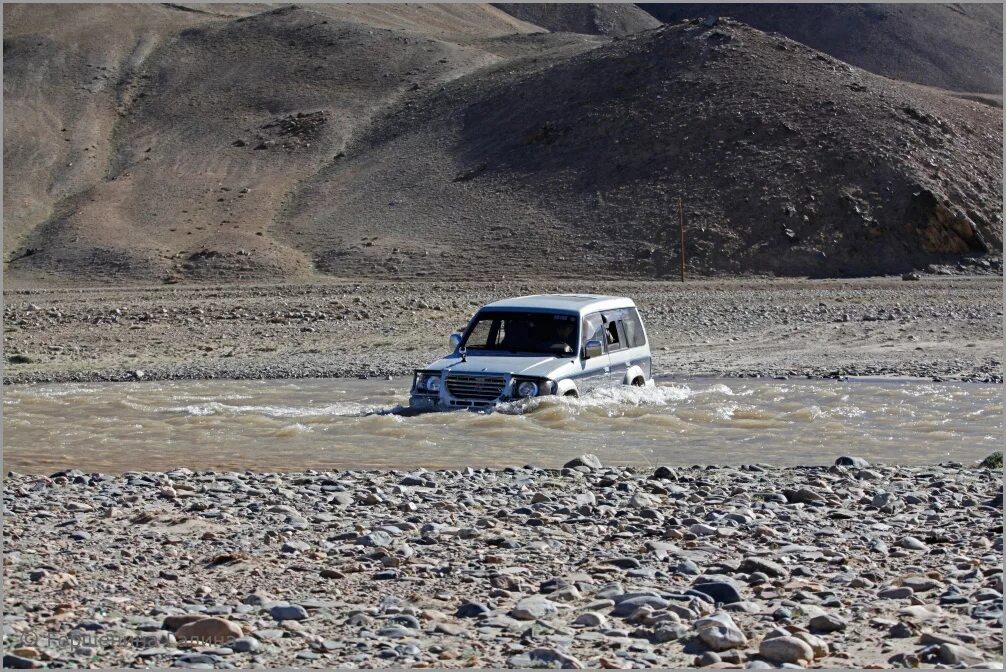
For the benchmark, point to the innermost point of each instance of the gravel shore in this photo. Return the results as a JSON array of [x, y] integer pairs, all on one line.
[[587, 566], [942, 327]]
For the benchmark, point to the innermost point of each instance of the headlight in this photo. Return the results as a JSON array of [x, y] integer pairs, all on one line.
[[527, 389], [427, 382]]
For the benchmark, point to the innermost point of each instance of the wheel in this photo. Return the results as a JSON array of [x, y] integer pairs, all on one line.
[[638, 382], [572, 394]]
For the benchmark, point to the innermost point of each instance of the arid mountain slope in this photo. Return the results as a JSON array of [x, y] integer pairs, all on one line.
[[457, 21], [222, 122], [956, 46], [220, 142], [65, 69], [789, 162], [580, 17]]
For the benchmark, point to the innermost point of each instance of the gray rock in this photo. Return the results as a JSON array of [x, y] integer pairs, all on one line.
[[377, 538], [912, 543], [629, 606], [768, 567], [665, 473], [722, 592], [341, 499], [786, 650], [472, 610], [624, 563], [803, 496], [533, 608], [668, 632], [847, 461], [592, 619], [896, 593], [396, 632], [288, 612], [702, 530], [952, 654], [245, 645], [586, 460], [687, 567], [719, 632], [542, 657], [295, 546], [827, 623], [921, 584], [886, 502]]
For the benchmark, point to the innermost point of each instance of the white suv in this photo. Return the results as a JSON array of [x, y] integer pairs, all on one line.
[[550, 344]]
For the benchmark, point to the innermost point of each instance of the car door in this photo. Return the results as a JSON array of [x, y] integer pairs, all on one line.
[[629, 347], [594, 371], [616, 345]]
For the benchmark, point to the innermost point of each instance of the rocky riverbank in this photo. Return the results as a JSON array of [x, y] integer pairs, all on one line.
[[942, 327], [588, 566]]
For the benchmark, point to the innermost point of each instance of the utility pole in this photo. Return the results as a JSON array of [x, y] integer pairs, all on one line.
[[681, 230]]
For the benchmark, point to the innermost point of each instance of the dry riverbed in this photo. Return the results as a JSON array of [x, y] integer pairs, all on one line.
[[587, 566], [938, 327]]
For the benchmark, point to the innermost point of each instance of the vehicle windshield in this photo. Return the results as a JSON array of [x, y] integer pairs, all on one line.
[[516, 331]]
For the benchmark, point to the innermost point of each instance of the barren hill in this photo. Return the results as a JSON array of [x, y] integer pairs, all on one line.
[[955, 46], [222, 142], [589, 18], [789, 162]]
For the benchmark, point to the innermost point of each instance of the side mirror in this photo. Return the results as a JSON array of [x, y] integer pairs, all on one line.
[[593, 348], [455, 341]]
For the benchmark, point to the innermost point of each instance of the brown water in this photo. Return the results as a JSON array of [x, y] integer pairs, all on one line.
[[301, 424]]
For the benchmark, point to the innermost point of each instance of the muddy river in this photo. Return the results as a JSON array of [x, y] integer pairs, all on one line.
[[338, 423]]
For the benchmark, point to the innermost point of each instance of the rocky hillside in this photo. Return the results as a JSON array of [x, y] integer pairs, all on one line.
[[592, 19], [221, 142], [956, 46], [788, 161]]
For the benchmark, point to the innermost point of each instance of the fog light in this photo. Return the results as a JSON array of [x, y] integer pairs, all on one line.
[[527, 389]]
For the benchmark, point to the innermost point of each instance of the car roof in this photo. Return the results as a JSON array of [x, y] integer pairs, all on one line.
[[580, 303]]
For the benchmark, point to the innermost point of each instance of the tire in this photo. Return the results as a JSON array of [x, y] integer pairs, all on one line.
[[638, 382], [572, 393]]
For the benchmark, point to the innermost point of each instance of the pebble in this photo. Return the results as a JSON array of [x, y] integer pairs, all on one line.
[[288, 612], [896, 593], [543, 657], [210, 629], [722, 592], [532, 608], [587, 460], [245, 645], [592, 619], [475, 569], [912, 543], [719, 632], [768, 567], [827, 623], [472, 610], [786, 650]]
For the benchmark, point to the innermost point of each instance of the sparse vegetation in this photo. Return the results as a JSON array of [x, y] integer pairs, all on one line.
[[993, 461]]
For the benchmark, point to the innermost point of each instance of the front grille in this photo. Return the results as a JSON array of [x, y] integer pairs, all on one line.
[[484, 388]]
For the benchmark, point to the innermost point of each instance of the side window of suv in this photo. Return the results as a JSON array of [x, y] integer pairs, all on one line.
[[593, 328], [633, 328], [613, 334]]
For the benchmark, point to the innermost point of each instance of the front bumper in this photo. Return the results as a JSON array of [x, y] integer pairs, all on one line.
[[444, 400]]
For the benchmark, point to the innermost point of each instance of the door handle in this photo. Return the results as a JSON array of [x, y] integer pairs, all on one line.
[[607, 369]]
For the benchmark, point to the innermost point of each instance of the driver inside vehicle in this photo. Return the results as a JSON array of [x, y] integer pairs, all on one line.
[[563, 341]]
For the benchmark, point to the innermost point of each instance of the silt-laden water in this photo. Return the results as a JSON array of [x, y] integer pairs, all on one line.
[[339, 423]]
